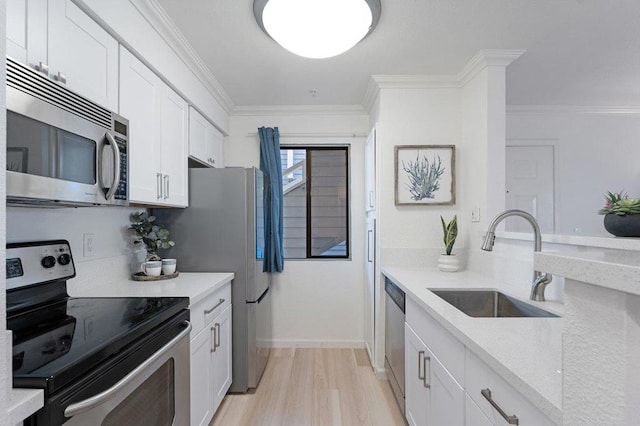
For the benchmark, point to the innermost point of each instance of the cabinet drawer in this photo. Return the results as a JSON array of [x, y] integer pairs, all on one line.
[[203, 312], [447, 348], [480, 376]]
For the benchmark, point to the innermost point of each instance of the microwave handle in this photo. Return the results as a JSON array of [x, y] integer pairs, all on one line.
[[116, 167]]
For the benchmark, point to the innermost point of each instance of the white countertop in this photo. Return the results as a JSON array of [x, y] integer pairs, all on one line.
[[614, 269], [194, 285], [525, 352], [23, 403]]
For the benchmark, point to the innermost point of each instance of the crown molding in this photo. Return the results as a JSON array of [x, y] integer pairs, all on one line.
[[269, 110], [573, 109], [487, 58], [165, 27]]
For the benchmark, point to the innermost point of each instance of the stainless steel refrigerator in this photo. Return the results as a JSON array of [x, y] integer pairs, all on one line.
[[222, 230]]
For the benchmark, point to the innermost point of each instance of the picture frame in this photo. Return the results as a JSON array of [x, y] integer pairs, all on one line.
[[425, 175], [17, 159]]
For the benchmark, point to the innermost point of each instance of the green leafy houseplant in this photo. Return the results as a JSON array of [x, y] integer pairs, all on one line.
[[450, 233], [619, 203], [152, 235]]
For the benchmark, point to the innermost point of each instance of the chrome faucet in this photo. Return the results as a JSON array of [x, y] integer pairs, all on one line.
[[540, 279]]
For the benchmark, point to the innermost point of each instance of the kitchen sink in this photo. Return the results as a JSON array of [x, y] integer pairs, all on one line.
[[490, 304]]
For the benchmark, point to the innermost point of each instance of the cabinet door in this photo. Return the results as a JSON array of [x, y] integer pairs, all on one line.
[[27, 31], [175, 148], [201, 384], [140, 96], [369, 297], [82, 53], [416, 394], [215, 148], [370, 171], [197, 136], [222, 357], [446, 395], [474, 415]]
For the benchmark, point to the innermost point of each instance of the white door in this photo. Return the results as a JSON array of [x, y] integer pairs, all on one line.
[[369, 297], [370, 170], [175, 148], [446, 395], [222, 357], [474, 415], [140, 96], [82, 53], [530, 185], [27, 31], [197, 135], [416, 393], [215, 147], [201, 386]]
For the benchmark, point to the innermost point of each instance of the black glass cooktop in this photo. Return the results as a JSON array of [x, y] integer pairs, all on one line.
[[63, 340]]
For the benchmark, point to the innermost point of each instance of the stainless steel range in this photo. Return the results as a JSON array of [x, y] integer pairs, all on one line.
[[106, 361]]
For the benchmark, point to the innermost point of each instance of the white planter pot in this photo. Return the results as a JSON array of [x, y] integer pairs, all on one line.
[[448, 263]]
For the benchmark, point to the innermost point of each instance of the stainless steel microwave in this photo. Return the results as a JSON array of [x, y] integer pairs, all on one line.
[[62, 149]]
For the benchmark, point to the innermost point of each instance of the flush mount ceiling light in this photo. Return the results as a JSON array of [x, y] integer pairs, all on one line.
[[317, 28]]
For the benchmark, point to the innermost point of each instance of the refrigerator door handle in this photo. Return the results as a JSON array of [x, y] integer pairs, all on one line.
[[262, 296]]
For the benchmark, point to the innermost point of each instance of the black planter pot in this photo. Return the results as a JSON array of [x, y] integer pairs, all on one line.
[[622, 226]]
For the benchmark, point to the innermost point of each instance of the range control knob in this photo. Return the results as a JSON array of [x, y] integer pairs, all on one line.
[[64, 259], [48, 262]]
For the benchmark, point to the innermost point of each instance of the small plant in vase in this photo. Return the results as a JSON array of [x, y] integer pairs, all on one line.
[[448, 262], [622, 215], [152, 235]]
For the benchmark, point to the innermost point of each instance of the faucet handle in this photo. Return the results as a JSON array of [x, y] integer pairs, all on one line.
[[539, 284]]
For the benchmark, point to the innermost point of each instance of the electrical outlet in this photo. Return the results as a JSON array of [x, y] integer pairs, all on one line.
[[475, 215], [89, 245]]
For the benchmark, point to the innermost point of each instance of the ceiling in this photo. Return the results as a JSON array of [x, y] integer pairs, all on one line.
[[578, 52]]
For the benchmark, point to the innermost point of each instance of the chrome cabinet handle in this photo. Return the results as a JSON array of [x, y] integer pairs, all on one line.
[[62, 78], [512, 420], [159, 185], [217, 343], [420, 376], [116, 167], [424, 366], [42, 67], [166, 186], [208, 311], [213, 339], [101, 398]]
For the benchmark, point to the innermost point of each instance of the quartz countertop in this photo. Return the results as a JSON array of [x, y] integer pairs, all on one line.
[[614, 269], [23, 403], [525, 352], [194, 285]]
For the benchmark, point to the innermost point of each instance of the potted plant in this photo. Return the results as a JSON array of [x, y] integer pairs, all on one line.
[[622, 215], [448, 262], [152, 235]]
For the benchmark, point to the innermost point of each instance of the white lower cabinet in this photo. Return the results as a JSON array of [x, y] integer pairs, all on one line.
[[473, 414], [211, 365], [432, 395]]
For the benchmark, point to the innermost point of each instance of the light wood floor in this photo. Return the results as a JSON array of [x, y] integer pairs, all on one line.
[[321, 387]]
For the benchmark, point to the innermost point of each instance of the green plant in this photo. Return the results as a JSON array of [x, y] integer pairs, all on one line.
[[424, 177], [150, 234], [620, 204], [450, 233]]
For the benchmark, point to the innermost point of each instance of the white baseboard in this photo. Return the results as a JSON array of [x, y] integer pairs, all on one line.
[[380, 373], [338, 344]]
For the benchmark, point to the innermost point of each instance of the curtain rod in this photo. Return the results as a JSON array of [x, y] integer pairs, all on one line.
[[316, 135]]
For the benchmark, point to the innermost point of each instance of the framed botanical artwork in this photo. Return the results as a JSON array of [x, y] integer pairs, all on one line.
[[425, 175]]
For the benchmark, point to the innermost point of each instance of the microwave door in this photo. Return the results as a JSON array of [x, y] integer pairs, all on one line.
[[109, 166]]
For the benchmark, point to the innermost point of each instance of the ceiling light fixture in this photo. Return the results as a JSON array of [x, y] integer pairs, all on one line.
[[317, 28]]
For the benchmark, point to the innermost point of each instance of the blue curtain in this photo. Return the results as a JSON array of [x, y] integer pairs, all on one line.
[[273, 200]]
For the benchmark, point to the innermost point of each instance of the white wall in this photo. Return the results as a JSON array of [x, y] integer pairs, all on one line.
[[594, 153], [315, 302]]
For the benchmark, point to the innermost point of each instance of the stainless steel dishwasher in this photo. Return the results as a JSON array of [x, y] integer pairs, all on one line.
[[394, 340]]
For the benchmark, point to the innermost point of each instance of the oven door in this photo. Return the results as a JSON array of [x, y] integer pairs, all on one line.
[[55, 155], [155, 393]]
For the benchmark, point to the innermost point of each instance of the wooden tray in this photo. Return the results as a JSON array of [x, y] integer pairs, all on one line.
[[140, 276]]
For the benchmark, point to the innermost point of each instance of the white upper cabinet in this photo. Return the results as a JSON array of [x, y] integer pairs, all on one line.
[[370, 170], [61, 41], [205, 141], [158, 139]]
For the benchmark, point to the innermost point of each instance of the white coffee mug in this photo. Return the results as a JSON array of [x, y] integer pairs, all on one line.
[[168, 266], [152, 268]]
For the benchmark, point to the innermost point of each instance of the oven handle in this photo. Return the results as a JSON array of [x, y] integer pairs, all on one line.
[[89, 403], [116, 166]]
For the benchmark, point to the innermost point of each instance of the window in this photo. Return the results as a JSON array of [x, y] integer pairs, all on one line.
[[316, 202]]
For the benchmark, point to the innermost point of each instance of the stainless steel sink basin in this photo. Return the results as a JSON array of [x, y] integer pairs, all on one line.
[[490, 304]]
